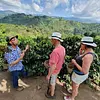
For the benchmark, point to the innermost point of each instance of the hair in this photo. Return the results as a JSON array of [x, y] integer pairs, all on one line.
[[8, 44], [88, 46]]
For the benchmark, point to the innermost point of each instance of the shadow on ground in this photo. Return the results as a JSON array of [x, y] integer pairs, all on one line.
[[37, 90]]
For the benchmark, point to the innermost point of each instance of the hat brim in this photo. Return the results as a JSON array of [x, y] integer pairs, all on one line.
[[13, 37], [56, 38], [90, 44], [8, 38]]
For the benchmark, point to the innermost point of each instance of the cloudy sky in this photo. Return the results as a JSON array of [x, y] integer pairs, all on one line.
[[84, 9]]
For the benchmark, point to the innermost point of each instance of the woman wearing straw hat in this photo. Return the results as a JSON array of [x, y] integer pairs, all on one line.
[[82, 65]]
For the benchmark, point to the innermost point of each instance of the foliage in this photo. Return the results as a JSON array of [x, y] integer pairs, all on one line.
[[2, 48], [36, 35], [45, 24], [40, 48]]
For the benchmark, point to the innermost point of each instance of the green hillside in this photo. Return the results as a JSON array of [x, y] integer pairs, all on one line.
[[34, 30], [45, 24]]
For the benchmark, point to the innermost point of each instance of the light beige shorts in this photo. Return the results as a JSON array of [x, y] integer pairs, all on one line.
[[53, 79], [79, 78]]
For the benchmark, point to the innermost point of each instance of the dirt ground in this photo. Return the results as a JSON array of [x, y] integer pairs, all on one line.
[[38, 87]]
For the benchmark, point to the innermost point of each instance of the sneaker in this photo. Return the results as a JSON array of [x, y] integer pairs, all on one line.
[[67, 98], [19, 88], [49, 96], [69, 91]]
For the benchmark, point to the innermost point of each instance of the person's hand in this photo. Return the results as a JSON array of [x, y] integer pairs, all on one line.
[[27, 47], [73, 61], [22, 55], [46, 64], [48, 78]]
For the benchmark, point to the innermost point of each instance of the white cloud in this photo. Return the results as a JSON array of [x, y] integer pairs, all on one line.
[[1, 8], [36, 1], [16, 6], [16, 3], [93, 9], [51, 5], [55, 2], [64, 1], [49, 13], [77, 8], [89, 8], [37, 7]]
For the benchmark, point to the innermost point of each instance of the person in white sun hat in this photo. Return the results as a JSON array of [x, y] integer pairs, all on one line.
[[82, 65], [57, 36], [54, 63]]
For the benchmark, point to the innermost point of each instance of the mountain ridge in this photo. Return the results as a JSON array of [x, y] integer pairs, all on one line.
[[47, 23], [6, 13]]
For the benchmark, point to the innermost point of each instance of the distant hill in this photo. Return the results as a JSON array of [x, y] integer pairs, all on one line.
[[81, 20], [6, 13], [45, 24]]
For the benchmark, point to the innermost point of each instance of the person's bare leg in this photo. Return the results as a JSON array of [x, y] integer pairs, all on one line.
[[59, 83], [49, 89], [74, 90], [52, 90]]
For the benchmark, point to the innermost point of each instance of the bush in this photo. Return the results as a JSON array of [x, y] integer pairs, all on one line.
[[40, 48]]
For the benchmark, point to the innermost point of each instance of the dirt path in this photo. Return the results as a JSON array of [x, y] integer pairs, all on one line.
[[33, 93]]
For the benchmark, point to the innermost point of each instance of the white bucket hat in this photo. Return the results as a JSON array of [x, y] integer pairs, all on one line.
[[88, 41], [56, 35]]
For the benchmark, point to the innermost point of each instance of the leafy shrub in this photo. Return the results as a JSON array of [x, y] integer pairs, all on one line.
[[40, 48]]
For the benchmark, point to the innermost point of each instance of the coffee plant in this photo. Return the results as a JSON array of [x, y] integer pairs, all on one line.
[[41, 47]]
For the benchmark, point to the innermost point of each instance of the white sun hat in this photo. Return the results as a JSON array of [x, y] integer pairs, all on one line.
[[88, 41], [56, 35]]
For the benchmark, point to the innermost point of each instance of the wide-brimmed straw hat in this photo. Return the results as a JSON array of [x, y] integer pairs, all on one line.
[[57, 36], [8, 38], [88, 41]]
